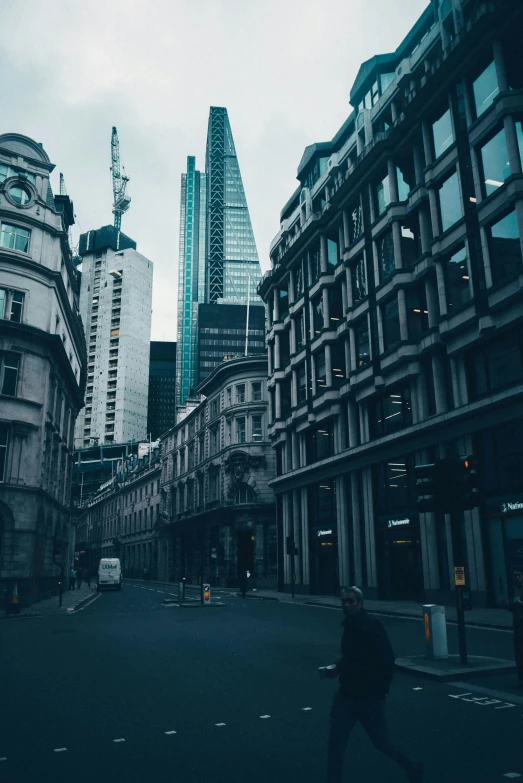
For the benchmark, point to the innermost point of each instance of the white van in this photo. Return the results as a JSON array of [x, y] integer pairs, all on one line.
[[109, 573]]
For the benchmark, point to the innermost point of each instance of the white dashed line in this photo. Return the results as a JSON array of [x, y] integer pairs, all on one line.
[[305, 709], [417, 689], [220, 724], [170, 732], [511, 775], [59, 750], [3, 758], [264, 716], [121, 739]]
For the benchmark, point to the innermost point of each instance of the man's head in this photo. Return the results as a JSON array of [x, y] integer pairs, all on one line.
[[518, 578], [351, 601]]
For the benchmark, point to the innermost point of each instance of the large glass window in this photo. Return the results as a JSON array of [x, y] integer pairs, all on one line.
[[317, 313], [320, 372], [417, 312], [498, 365], [9, 373], [315, 257], [504, 248], [386, 256], [361, 332], [457, 279], [240, 392], [4, 434], [319, 442], [403, 186], [339, 372], [494, 163], [302, 384], [283, 298], [257, 433], [240, 430], [332, 253], [14, 238], [382, 195], [11, 305], [485, 89], [256, 389], [355, 222], [391, 324], [396, 484], [359, 280], [301, 337], [335, 305], [450, 202], [391, 411], [442, 133], [410, 242]]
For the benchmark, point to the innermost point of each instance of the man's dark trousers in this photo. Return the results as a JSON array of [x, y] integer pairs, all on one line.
[[345, 713]]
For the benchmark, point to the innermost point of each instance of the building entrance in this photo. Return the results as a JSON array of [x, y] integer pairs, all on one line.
[[506, 553], [401, 564], [324, 565], [245, 551]]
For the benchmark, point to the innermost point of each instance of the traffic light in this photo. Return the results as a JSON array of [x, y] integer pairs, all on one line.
[[433, 485], [465, 481]]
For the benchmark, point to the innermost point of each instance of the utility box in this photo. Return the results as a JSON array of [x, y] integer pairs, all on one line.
[[435, 631], [206, 594]]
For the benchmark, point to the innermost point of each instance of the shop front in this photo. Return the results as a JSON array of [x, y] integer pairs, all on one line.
[[399, 555], [504, 517], [323, 539]]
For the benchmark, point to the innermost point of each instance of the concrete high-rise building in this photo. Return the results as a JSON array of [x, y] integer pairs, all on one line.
[[42, 372], [115, 305], [218, 260], [161, 414]]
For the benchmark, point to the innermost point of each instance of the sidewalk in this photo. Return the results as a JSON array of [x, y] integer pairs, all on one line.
[[489, 618], [72, 600]]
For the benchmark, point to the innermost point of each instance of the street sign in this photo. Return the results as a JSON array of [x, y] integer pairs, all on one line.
[[459, 575]]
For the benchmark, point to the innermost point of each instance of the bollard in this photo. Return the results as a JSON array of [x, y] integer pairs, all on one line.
[[206, 594], [435, 631], [181, 591]]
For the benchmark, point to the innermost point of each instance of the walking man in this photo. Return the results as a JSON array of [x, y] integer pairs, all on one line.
[[365, 672], [72, 578]]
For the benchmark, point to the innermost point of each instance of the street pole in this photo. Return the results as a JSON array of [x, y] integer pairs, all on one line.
[[456, 518], [293, 565]]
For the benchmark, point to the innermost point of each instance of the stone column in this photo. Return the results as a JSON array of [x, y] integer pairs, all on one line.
[[346, 229], [426, 131], [348, 287], [368, 503], [438, 372], [295, 450], [499, 61], [352, 344], [278, 400], [346, 347], [431, 296], [323, 254], [352, 418], [418, 164], [287, 531], [424, 229], [305, 555], [277, 360], [276, 304], [440, 279], [344, 293], [356, 527], [402, 310], [396, 241], [394, 111], [343, 531], [434, 214], [328, 366], [294, 389], [326, 309], [393, 180], [512, 145]]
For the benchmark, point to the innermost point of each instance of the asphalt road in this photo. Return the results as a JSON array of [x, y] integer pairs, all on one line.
[[128, 690]]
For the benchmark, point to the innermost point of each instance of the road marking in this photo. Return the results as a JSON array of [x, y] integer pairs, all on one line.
[[59, 750], [304, 709], [502, 695], [511, 775], [3, 758], [417, 689], [220, 724], [264, 716], [170, 732], [121, 739], [481, 701]]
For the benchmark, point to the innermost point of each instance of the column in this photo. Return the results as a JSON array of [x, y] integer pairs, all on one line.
[[427, 142], [424, 229], [352, 417], [295, 450], [326, 308], [431, 296], [438, 371], [278, 401], [418, 164], [352, 346], [287, 531], [277, 362], [396, 241], [305, 537], [344, 293], [346, 229], [402, 309], [291, 289], [368, 502], [346, 347], [512, 145], [434, 214], [323, 254], [343, 531], [393, 180], [499, 60], [394, 111], [440, 279], [348, 287], [328, 366], [276, 305], [429, 550], [356, 527], [294, 389]]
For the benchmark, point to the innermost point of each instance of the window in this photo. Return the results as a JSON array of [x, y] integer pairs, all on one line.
[[417, 312], [240, 430], [9, 373], [213, 485], [359, 280], [403, 185], [335, 305], [457, 279], [256, 392], [298, 281], [319, 371], [391, 412], [355, 223], [257, 434], [361, 332], [11, 305], [494, 163], [450, 202], [300, 330], [496, 366], [7, 171], [319, 442], [504, 248], [315, 257], [383, 195], [229, 396], [240, 392], [302, 384], [244, 494], [19, 195], [410, 242], [332, 253], [283, 299], [4, 436], [391, 324], [14, 238], [386, 256], [442, 134], [485, 89], [214, 408], [339, 372], [317, 314]]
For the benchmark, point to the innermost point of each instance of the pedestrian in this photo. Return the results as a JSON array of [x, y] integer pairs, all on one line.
[[72, 578], [145, 574], [516, 607], [365, 672], [244, 575], [79, 578]]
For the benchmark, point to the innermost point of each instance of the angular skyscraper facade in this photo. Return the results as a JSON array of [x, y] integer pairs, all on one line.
[[218, 260], [232, 258], [191, 275]]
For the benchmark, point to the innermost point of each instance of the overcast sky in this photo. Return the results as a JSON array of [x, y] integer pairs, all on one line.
[[70, 70]]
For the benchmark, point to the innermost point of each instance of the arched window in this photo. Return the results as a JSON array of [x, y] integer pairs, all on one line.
[[244, 494]]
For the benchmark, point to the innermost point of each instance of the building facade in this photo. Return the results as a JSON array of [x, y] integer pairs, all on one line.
[[222, 331], [395, 312], [217, 511], [42, 372], [161, 411], [121, 519], [115, 305]]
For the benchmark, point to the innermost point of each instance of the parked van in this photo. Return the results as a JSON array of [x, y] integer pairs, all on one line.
[[109, 573]]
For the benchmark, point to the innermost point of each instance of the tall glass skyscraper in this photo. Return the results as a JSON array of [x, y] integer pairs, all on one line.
[[218, 260]]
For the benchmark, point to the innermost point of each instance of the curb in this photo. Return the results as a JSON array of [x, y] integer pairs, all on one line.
[[415, 666], [83, 603]]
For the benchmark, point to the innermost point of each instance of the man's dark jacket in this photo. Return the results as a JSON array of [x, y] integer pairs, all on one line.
[[367, 663]]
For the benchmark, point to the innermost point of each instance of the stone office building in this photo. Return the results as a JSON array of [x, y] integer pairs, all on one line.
[[217, 514], [396, 312], [42, 372]]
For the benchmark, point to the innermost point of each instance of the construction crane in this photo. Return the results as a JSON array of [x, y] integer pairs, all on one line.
[[121, 201]]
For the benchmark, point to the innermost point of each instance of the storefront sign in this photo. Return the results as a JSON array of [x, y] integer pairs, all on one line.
[[459, 575], [398, 522], [324, 533], [516, 505]]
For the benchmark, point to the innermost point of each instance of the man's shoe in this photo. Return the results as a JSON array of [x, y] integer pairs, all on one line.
[[416, 776]]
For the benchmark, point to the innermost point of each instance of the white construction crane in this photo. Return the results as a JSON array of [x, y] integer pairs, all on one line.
[[121, 201]]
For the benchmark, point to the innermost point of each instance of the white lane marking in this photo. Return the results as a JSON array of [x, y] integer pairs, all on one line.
[[220, 724], [59, 750], [170, 732], [503, 695], [304, 709], [3, 758], [417, 689], [121, 739], [511, 775], [264, 716]]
